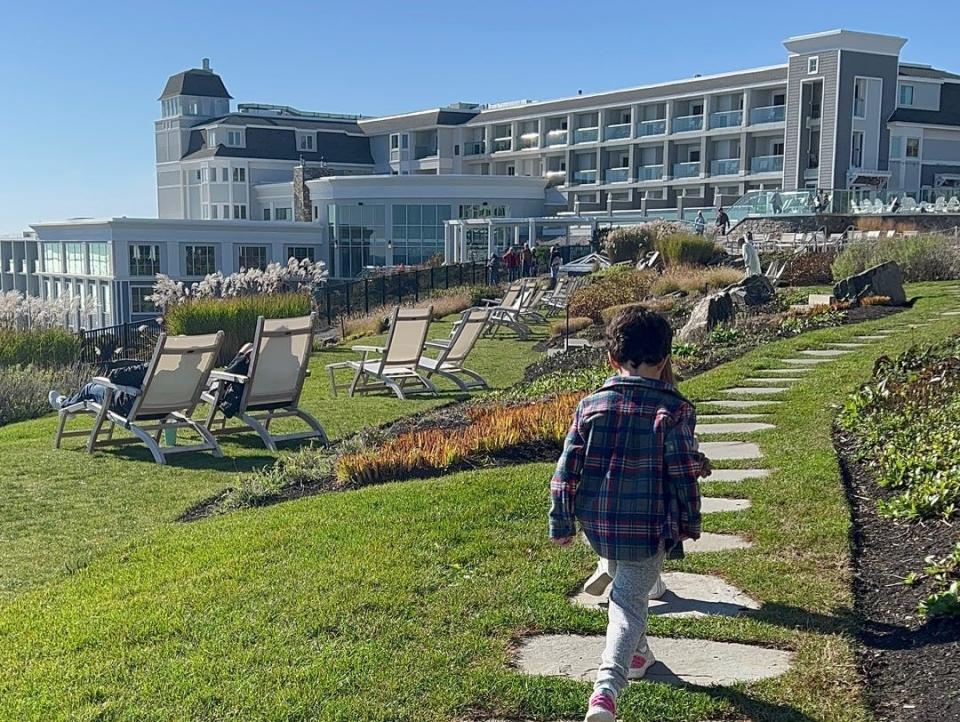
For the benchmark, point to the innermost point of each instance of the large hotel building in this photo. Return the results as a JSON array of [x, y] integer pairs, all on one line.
[[238, 187]]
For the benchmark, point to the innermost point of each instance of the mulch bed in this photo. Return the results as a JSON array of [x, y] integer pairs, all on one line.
[[912, 668]]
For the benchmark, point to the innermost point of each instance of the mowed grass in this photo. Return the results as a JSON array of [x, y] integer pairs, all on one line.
[[61, 509], [404, 601]]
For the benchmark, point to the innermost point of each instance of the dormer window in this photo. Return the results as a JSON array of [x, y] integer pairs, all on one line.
[[906, 95], [234, 139], [813, 65], [305, 142]]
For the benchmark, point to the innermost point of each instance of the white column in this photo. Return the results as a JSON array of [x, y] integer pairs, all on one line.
[[447, 243], [463, 243], [532, 234], [491, 245], [516, 235]]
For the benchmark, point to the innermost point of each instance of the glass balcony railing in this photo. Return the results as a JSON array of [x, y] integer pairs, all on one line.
[[476, 147], [529, 140], [616, 132], [766, 164], [726, 119], [585, 177], [651, 127], [650, 172], [690, 169], [725, 166], [501, 144], [768, 114], [424, 151], [557, 136], [586, 135], [687, 123], [617, 175]]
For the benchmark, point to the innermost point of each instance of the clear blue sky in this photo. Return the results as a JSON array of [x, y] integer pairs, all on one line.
[[79, 81]]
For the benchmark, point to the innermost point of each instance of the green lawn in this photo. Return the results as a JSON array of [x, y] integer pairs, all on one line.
[[399, 602]]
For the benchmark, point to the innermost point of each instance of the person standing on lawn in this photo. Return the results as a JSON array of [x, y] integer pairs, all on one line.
[[526, 261], [628, 473], [493, 267], [510, 263], [722, 222]]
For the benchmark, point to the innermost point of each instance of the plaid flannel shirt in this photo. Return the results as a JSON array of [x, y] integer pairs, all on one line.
[[629, 470]]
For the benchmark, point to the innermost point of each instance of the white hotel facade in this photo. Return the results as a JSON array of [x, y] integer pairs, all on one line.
[[241, 187]]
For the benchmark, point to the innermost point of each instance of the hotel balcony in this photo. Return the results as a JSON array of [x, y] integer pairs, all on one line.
[[651, 127], [617, 175], [616, 132], [529, 140], [557, 136], [768, 114], [476, 147], [650, 172], [726, 119], [502, 144], [424, 151], [687, 123], [586, 135], [556, 177], [766, 164], [725, 166], [585, 177], [690, 169]]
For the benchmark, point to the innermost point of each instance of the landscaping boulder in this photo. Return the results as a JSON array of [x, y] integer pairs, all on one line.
[[755, 290], [715, 308], [883, 280]]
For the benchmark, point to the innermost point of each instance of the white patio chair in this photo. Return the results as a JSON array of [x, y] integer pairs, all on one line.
[[273, 383], [940, 205], [953, 205], [873, 235], [878, 206], [175, 379], [396, 365], [908, 205], [508, 313], [454, 351]]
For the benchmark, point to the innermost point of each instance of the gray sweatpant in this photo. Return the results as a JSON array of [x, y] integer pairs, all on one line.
[[627, 619]]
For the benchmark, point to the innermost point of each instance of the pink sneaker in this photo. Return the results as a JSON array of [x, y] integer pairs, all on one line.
[[602, 708], [641, 662]]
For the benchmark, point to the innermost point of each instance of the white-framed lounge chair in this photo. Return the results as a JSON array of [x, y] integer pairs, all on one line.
[[953, 205], [273, 382], [455, 350], [508, 312], [175, 379], [397, 364]]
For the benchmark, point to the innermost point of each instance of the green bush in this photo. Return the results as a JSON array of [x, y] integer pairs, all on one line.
[[682, 248], [921, 258], [43, 347], [235, 316], [612, 288], [626, 244]]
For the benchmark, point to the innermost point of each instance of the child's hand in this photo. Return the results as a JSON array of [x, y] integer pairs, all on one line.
[[706, 468], [563, 541]]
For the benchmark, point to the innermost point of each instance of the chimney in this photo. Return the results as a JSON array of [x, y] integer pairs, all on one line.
[[302, 205], [206, 64]]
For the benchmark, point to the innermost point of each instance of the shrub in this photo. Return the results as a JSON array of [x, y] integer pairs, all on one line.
[[445, 302], [24, 389], [694, 279], [807, 269], [660, 305], [577, 324], [921, 258], [797, 322], [45, 347], [20, 312], [627, 243], [683, 248], [236, 316], [616, 287]]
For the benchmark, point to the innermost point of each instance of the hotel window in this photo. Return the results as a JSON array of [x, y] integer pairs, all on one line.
[[99, 259], [140, 302], [234, 138], [204, 211], [226, 212], [239, 175], [200, 260], [913, 148], [394, 141], [777, 148], [358, 232], [282, 214], [856, 149], [197, 175], [906, 95], [240, 212], [74, 253], [253, 257], [813, 65], [860, 98], [105, 304], [305, 141], [213, 211], [301, 253], [144, 260], [266, 214], [404, 141], [224, 175]]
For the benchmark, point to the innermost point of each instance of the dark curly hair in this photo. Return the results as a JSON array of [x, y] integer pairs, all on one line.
[[636, 335]]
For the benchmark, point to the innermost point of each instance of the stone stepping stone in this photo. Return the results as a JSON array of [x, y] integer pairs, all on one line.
[[774, 380], [739, 403], [754, 390], [950, 313], [849, 345], [730, 417], [687, 595], [825, 352], [808, 361], [744, 427], [871, 338], [709, 543], [679, 661], [717, 505], [735, 475], [723, 450]]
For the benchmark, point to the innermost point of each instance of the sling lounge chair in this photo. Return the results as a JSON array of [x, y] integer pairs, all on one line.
[[453, 352], [396, 365], [175, 379], [509, 311], [273, 383]]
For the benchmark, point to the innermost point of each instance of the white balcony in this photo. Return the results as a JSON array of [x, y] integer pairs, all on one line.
[[557, 136], [475, 147], [529, 140], [502, 144]]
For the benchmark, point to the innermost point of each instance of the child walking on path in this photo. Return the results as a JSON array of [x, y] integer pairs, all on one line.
[[628, 474]]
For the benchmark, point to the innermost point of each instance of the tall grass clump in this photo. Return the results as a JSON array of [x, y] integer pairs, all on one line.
[[683, 248], [43, 347], [692, 279], [627, 243], [614, 287], [24, 389], [921, 258], [235, 316]]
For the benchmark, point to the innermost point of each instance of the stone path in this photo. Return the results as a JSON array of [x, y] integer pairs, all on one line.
[[734, 475], [708, 543], [737, 403], [754, 390], [805, 361], [848, 345], [826, 353], [715, 505], [723, 450], [743, 427]]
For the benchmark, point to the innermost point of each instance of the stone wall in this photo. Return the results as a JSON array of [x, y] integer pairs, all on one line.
[[835, 223], [302, 205]]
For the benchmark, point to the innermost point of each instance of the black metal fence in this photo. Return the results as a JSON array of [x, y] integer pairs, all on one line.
[[344, 298], [133, 341]]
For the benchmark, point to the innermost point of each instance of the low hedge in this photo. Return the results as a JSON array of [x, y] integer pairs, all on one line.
[[42, 347], [921, 258]]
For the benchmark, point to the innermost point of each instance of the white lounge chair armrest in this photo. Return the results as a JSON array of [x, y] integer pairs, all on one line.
[[217, 375], [369, 349], [104, 381], [438, 344], [492, 301]]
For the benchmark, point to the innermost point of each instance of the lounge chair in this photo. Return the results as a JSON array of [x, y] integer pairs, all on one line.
[[953, 205], [395, 365], [273, 383], [508, 312], [175, 379], [454, 351]]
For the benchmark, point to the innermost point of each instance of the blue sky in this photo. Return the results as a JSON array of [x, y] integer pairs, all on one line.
[[79, 81]]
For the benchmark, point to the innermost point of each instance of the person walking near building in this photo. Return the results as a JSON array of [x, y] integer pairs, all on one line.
[[510, 264], [556, 260], [776, 202], [751, 258], [699, 224], [628, 474], [493, 269], [723, 221], [526, 261]]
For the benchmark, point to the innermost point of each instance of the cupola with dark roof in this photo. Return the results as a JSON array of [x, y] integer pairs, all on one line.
[[200, 82]]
